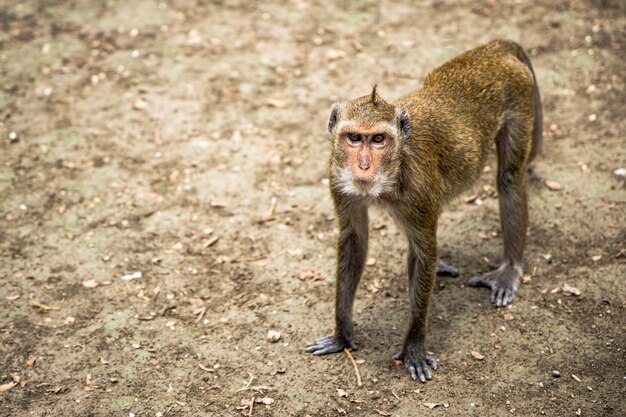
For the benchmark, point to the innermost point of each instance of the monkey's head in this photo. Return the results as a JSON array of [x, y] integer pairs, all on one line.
[[367, 136]]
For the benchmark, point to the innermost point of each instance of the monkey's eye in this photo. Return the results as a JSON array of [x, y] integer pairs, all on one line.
[[354, 137], [378, 138]]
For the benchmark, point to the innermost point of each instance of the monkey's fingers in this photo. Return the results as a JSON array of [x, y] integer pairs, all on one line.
[[503, 284], [502, 296], [418, 368], [328, 344]]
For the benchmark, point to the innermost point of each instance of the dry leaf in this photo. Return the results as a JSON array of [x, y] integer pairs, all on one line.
[[31, 361], [431, 405], [553, 185], [383, 412], [8, 386], [508, 316], [13, 297], [477, 355], [596, 258]]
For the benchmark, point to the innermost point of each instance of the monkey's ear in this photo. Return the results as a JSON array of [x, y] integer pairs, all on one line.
[[405, 124], [334, 116]]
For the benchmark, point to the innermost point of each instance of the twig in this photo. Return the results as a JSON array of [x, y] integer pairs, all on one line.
[[201, 314], [251, 407], [259, 388], [157, 131], [270, 213], [249, 259], [356, 368], [42, 306]]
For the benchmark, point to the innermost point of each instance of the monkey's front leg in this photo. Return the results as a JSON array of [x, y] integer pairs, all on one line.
[[351, 253], [422, 266]]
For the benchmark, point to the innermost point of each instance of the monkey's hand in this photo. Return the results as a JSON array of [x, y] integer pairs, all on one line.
[[329, 344], [417, 362], [503, 283]]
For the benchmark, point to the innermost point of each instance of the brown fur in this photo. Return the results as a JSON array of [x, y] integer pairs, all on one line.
[[438, 139]]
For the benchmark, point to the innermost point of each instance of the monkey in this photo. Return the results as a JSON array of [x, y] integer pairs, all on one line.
[[412, 157]]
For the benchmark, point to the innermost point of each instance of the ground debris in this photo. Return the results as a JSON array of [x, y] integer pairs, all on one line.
[[382, 412], [43, 307], [264, 400], [91, 283], [477, 355], [309, 275], [10, 385], [571, 290], [273, 336], [553, 185], [130, 277], [433, 405]]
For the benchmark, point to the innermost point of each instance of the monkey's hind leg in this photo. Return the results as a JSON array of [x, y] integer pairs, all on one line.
[[512, 145]]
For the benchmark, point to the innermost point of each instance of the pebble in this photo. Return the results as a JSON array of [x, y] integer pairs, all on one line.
[[273, 336], [556, 374], [13, 137]]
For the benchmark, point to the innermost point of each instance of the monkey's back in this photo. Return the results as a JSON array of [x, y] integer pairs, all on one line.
[[470, 97]]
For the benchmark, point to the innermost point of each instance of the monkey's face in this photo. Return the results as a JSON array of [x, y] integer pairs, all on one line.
[[366, 135], [365, 153]]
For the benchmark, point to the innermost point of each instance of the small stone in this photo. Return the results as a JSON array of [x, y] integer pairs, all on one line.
[[140, 104], [264, 400], [334, 54], [571, 290], [478, 355], [553, 185], [130, 277], [273, 336], [13, 137], [547, 257], [619, 172], [341, 393], [370, 262], [556, 374], [593, 117]]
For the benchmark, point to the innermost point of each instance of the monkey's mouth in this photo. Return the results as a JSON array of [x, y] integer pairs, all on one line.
[[363, 183]]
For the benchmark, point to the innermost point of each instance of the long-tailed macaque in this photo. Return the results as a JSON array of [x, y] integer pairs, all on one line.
[[412, 157]]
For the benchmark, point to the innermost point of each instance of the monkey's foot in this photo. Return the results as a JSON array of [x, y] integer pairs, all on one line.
[[447, 270], [329, 344], [503, 283], [418, 363]]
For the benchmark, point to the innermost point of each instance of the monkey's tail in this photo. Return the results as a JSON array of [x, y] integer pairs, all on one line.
[[537, 142]]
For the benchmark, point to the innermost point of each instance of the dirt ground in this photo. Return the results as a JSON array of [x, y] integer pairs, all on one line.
[[153, 137]]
